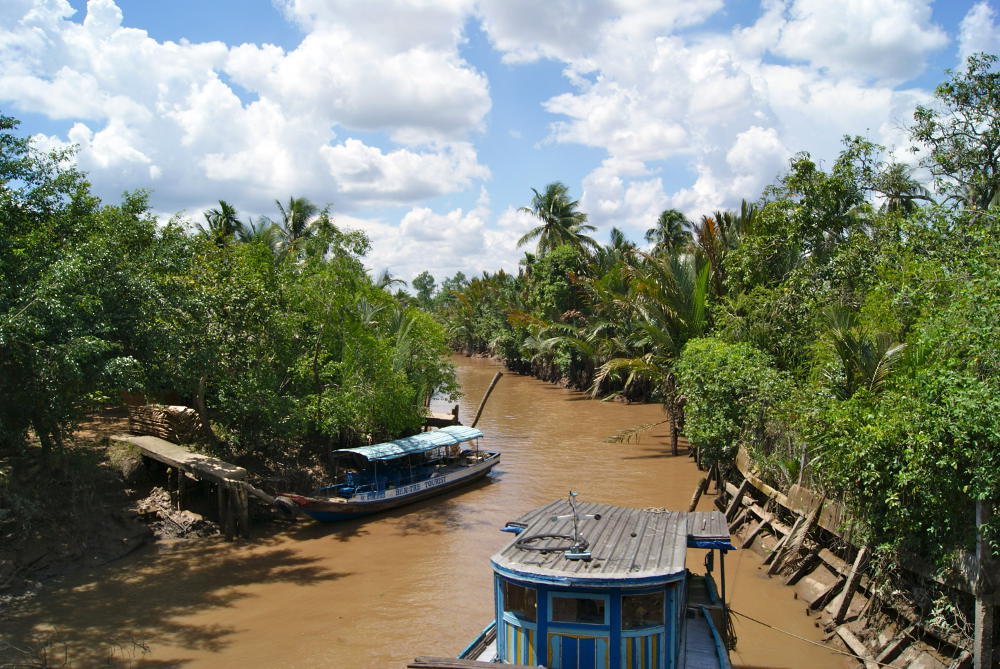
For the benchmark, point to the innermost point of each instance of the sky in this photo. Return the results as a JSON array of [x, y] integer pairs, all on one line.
[[426, 123]]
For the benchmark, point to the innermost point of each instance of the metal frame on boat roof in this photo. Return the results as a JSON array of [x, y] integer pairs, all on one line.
[[418, 443]]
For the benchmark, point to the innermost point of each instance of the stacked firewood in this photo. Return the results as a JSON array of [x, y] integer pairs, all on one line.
[[178, 424]]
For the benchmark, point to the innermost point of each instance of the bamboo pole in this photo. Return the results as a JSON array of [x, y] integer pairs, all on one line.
[[486, 396]]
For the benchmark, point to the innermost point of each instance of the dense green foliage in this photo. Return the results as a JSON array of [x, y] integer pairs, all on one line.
[[273, 331], [845, 321], [731, 387]]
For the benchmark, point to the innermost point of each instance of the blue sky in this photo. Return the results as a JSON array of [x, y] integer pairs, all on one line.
[[426, 123]]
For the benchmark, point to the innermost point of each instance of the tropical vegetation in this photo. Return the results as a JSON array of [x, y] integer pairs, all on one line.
[[841, 325]]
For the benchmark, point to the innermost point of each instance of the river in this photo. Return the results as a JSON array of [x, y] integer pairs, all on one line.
[[379, 591]]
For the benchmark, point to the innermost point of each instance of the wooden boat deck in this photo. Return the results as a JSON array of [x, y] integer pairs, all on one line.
[[699, 649]]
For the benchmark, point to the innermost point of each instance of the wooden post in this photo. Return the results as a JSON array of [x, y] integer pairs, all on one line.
[[985, 608], [229, 524], [851, 585], [244, 503], [774, 557], [486, 396], [702, 485], [220, 490], [734, 503], [181, 481]]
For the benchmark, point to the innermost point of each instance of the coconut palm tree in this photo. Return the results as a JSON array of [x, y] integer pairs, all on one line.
[[261, 231], [221, 224], [296, 223], [672, 232], [561, 222], [901, 191], [668, 297]]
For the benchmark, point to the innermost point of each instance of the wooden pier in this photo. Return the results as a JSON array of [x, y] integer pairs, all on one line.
[[229, 479]]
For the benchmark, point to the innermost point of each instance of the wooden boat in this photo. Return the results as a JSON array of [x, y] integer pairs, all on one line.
[[598, 586], [383, 476]]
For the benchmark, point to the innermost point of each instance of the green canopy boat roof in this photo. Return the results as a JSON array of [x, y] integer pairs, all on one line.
[[418, 443]]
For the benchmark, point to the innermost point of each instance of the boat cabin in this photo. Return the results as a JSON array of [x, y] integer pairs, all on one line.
[[597, 586], [402, 462]]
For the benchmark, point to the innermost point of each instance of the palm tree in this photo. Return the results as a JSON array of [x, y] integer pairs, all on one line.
[[561, 222], [672, 232], [296, 223], [261, 231], [386, 280], [221, 224], [900, 190], [718, 234], [867, 359], [668, 298]]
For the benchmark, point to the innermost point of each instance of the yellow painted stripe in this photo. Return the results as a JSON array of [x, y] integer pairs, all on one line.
[[628, 653]]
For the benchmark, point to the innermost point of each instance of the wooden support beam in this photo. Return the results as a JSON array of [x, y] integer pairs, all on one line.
[[764, 522], [779, 547], [244, 518], [983, 651], [699, 491], [734, 503], [807, 565], [851, 585], [181, 481], [739, 520], [856, 647], [824, 597], [896, 646]]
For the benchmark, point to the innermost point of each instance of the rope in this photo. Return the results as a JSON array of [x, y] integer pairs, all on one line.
[[810, 641]]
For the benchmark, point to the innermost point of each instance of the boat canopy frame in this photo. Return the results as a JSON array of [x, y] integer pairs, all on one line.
[[418, 443]]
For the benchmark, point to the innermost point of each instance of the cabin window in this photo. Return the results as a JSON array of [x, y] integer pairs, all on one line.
[[519, 600], [584, 610], [644, 610]]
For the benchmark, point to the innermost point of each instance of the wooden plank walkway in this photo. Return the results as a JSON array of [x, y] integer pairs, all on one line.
[[229, 479], [699, 651], [201, 466]]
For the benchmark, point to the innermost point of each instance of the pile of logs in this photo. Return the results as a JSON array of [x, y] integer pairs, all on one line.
[[177, 424]]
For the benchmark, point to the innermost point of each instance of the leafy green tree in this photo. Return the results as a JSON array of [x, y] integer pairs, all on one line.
[[424, 284], [962, 135], [562, 224], [78, 283], [729, 389]]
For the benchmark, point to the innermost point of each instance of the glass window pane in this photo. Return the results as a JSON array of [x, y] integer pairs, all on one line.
[[642, 610], [578, 610], [520, 601]]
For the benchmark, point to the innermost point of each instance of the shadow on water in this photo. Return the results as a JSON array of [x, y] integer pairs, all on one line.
[[111, 621]]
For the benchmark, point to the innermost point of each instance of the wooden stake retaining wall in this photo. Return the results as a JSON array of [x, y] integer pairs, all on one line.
[[802, 555]]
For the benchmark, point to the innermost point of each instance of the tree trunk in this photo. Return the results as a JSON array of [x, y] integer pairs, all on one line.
[[206, 427]]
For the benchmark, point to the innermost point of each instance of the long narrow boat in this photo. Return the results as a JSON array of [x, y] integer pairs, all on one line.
[[605, 587], [383, 476]]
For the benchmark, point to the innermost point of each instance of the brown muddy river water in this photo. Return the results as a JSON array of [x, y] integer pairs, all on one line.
[[417, 581]]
